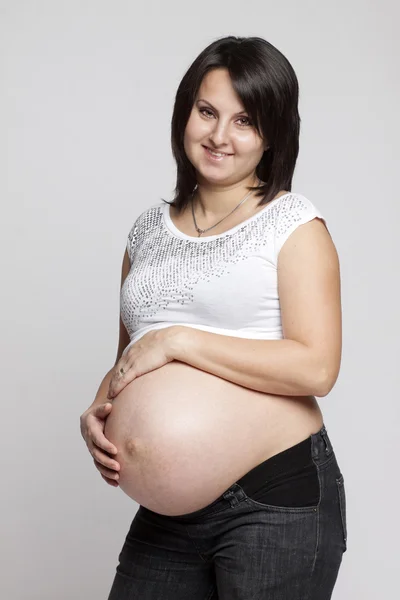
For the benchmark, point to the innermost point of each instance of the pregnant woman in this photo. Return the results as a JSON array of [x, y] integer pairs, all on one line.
[[230, 327]]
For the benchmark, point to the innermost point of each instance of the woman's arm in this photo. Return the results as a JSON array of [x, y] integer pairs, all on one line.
[[307, 360], [92, 421], [123, 341]]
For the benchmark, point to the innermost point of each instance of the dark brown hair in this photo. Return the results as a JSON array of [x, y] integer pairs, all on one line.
[[267, 85]]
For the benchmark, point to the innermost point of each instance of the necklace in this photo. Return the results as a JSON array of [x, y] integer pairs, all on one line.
[[201, 231]]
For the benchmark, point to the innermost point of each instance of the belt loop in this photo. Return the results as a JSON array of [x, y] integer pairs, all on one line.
[[234, 495], [324, 435]]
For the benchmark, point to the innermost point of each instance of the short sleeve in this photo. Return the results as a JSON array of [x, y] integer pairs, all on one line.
[[293, 210], [131, 241], [139, 229]]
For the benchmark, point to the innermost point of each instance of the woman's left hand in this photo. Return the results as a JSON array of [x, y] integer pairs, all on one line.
[[150, 352]]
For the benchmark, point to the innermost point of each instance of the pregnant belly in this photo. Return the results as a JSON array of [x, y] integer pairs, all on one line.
[[184, 436]]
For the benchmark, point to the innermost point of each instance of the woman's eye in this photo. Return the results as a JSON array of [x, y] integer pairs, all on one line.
[[206, 110], [246, 119], [202, 110]]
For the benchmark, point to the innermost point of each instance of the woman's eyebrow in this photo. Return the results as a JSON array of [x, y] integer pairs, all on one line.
[[209, 103]]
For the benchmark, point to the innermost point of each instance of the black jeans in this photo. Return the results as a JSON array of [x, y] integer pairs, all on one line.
[[278, 533]]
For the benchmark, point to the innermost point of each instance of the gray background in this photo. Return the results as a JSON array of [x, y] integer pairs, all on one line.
[[87, 90]]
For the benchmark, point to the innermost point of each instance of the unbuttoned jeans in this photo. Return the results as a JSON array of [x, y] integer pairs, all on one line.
[[238, 548]]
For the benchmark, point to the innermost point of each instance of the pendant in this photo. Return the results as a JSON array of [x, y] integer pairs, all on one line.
[[200, 231]]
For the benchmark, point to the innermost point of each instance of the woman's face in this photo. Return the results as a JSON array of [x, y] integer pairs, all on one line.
[[218, 121]]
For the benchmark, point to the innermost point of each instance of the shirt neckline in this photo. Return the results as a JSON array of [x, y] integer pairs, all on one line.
[[178, 233]]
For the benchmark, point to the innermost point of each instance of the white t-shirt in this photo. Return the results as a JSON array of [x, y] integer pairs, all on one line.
[[225, 283]]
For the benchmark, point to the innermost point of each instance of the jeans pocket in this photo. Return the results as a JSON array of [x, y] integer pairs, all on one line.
[[342, 506], [281, 509]]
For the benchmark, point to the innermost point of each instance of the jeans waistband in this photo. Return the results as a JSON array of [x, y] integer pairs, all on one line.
[[321, 449]]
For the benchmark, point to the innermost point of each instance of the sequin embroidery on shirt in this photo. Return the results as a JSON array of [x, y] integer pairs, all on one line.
[[166, 269]]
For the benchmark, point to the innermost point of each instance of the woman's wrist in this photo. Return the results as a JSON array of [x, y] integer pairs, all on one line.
[[176, 338]]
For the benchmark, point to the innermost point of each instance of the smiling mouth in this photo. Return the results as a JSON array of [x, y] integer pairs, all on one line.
[[215, 154]]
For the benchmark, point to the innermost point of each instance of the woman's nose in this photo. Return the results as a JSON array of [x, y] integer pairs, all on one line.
[[219, 135]]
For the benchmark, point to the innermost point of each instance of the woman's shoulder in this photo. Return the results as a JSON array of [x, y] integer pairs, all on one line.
[[294, 205], [153, 208], [294, 198], [294, 209]]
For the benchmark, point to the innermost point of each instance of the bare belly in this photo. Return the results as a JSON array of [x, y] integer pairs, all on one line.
[[184, 436]]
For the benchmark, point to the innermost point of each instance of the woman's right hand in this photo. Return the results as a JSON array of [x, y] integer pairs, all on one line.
[[92, 423]]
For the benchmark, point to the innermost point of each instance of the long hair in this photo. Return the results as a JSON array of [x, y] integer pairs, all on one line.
[[267, 85]]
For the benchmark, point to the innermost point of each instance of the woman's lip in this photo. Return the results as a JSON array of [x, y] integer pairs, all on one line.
[[226, 153]]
